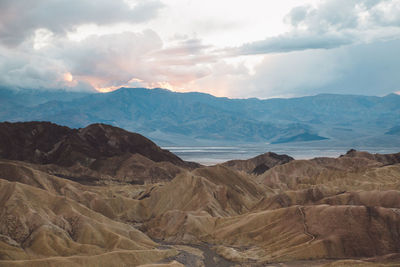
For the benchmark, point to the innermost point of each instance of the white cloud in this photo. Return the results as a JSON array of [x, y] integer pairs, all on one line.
[[331, 24]]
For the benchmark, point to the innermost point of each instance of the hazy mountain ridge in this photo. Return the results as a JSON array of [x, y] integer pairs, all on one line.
[[32, 97], [168, 116], [394, 131]]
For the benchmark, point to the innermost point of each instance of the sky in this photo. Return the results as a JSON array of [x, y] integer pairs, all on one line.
[[237, 49]]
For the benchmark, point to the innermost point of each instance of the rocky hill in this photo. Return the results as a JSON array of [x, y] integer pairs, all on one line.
[[97, 150], [258, 164], [45, 142]]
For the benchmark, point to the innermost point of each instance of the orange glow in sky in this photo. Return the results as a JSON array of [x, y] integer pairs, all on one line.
[[107, 89], [68, 77], [97, 84]]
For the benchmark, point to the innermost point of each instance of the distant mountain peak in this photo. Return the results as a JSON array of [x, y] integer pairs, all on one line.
[[394, 95]]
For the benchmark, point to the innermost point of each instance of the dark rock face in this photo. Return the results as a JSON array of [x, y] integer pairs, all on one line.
[[45, 143], [258, 164], [31, 141]]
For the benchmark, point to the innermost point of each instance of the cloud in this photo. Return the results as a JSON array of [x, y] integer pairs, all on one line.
[[341, 46], [186, 53], [97, 61], [336, 15], [369, 69], [20, 69], [114, 60], [329, 15], [106, 62], [20, 19], [186, 46], [36, 51], [386, 13], [296, 41], [331, 24], [228, 81], [297, 15]]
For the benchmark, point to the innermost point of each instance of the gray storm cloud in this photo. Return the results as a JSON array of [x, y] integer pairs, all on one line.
[[368, 69], [296, 41], [19, 19]]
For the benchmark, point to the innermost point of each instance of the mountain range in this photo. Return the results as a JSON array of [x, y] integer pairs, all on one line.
[[172, 118]]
